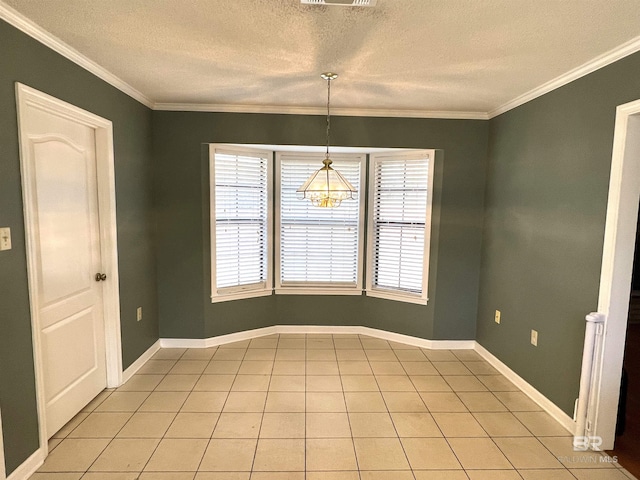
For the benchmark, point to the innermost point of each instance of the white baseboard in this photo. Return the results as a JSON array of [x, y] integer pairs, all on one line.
[[547, 405], [137, 365], [215, 341], [29, 466]]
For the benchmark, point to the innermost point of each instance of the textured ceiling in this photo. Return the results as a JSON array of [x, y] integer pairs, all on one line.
[[428, 55]]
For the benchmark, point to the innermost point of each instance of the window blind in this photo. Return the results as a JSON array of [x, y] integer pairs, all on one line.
[[399, 206], [241, 221], [318, 246]]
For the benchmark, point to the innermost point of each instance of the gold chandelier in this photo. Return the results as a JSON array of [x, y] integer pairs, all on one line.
[[327, 187]]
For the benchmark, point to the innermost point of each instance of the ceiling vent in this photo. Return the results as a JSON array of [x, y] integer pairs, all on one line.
[[344, 3]]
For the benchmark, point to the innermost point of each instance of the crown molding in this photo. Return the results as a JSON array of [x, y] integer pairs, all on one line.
[[618, 53], [25, 25], [292, 110]]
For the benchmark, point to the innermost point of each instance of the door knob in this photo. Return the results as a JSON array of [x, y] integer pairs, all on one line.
[[101, 277]]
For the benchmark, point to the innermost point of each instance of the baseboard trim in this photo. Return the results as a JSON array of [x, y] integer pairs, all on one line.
[[137, 365], [547, 405], [29, 466]]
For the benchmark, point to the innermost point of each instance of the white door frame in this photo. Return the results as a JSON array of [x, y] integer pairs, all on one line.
[[3, 472], [28, 97], [617, 266]]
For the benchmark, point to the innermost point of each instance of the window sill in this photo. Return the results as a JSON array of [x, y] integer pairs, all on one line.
[[317, 291], [241, 295], [398, 297]]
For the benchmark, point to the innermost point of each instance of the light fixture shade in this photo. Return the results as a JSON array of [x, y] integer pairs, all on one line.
[[327, 187]]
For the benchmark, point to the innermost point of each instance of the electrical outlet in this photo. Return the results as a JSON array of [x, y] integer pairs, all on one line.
[[534, 338], [5, 238], [139, 313], [497, 316]]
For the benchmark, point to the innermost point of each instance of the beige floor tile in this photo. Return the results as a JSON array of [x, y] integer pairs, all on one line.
[[93, 404], [404, 402], [283, 425], [242, 344], [238, 425], [541, 424], [297, 343], [290, 355], [415, 425], [395, 383], [100, 425], [245, 402], [220, 476], [562, 448], [164, 402], [325, 402], [199, 353], [429, 453], [387, 368], [260, 354], [353, 475], [354, 367], [189, 367], [369, 343], [125, 455], [157, 367], [439, 355], [380, 454], [229, 354], [502, 424], [327, 425], [330, 454], [263, 343], [177, 383], [458, 425], [547, 474], [287, 402], [53, 443], [447, 402], [147, 425], [109, 476], [467, 355], [317, 355], [58, 476], [451, 368], [526, 452], [286, 367], [464, 383], [141, 383], [229, 455], [214, 383], [256, 367], [251, 383], [493, 475], [347, 343], [324, 383], [497, 383], [287, 383], [169, 354], [365, 402], [280, 455], [322, 368], [481, 368], [381, 355], [414, 355], [517, 402], [588, 474], [390, 475], [123, 402], [481, 402], [359, 383], [430, 383], [372, 425], [478, 454], [315, 342], [419, 368], [356, 355], [277, 476], [440, 475], [179, 455], [74, 455], [203, 402], [223, 367], [192, 425]]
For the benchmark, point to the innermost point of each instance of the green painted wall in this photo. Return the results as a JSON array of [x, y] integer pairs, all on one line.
[[182, 207], [27, 61], [546, 199]]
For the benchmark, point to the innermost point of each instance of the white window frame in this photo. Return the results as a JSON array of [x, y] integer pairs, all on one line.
[[242, 291], [390, 294], [308, 288]]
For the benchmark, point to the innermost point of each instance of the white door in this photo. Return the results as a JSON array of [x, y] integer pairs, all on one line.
[[60, 156]]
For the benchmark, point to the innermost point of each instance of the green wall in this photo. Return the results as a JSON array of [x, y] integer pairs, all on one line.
[[182, 208], [545, 207], [27, 61]]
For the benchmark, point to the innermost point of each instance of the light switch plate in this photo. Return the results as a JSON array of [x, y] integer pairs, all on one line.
[[139, 313], [497, 316], [5, 238], [534, 338]]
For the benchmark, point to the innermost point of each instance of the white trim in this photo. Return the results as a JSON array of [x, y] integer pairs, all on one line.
[[607, 58], [29, 466], [214, 341], [339, 112], [547, 405], [3, 473], [320, 290], [137, 365], [617, 262], [27, 97], [25, 25], [396, 296]]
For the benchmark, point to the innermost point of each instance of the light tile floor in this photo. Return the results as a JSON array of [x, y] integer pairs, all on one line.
[[317, 407]]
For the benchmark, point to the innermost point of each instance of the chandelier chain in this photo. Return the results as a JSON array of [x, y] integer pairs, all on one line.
[[328, 113]]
